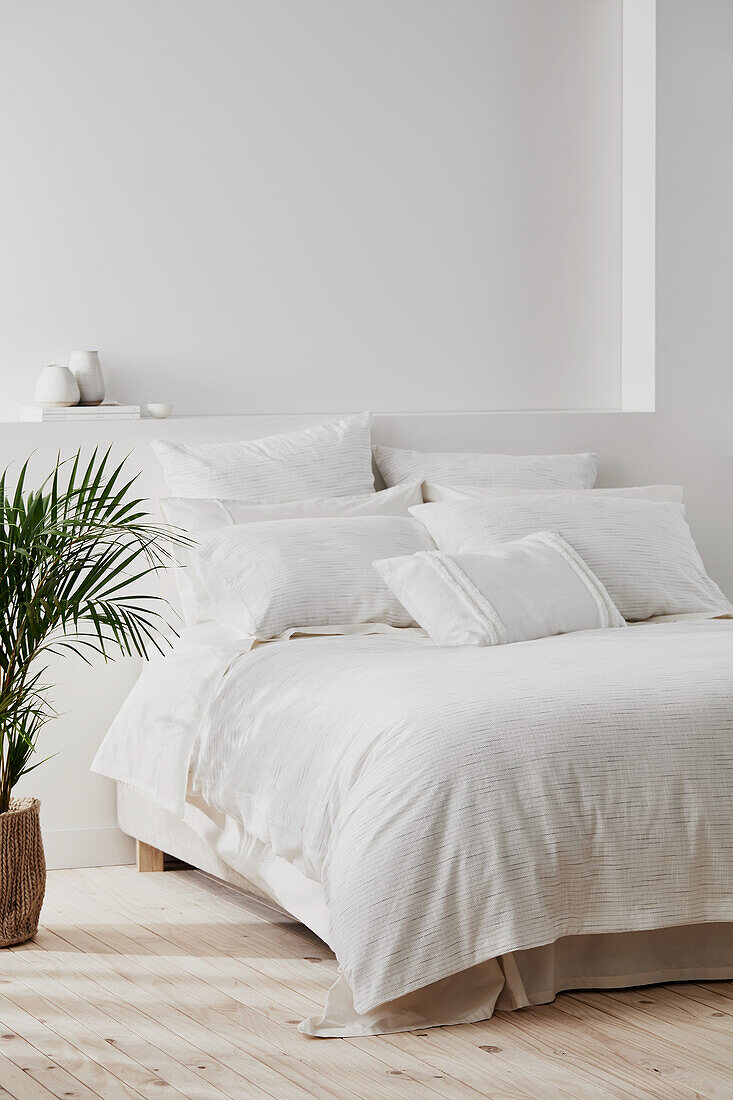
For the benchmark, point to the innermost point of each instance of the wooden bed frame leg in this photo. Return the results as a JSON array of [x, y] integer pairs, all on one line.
[[147, 857]]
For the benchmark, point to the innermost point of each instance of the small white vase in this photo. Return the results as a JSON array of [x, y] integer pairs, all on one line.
[[85, 367], [56, 385]]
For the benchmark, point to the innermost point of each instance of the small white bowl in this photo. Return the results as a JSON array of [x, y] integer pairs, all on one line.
[[160, 412]]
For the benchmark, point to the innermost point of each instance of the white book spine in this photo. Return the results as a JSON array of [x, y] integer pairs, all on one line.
[[39, 415]]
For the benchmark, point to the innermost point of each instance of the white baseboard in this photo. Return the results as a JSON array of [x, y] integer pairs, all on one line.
[[101, 846]]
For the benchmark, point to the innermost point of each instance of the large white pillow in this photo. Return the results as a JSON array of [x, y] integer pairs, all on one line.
[[328, 460], [641, 550], [515, 592], [196, 516], [266, 578], [433, 493], [490, 471]]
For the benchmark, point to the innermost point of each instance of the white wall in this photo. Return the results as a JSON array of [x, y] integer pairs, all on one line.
[[688, 440], [281, 205]]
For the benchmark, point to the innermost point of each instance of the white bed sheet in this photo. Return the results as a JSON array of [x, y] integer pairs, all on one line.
[[457, 805]]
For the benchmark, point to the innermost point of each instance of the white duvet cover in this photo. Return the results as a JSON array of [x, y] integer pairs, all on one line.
[[456, 804]]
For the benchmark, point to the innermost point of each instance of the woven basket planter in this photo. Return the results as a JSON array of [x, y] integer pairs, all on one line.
[[22, 871]]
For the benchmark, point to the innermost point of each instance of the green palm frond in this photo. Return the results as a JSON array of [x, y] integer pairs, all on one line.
[[75, 556]]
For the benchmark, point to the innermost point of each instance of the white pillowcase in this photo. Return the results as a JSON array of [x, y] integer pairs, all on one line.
[[642, 551], [196, 516], [433, 493], [515, 592], [266, 578], [328, 460], [490, 471]]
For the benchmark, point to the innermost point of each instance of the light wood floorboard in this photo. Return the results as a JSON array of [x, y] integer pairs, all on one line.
[[176, 985]]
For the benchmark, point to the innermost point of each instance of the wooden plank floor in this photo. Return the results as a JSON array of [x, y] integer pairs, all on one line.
[[171, 985]]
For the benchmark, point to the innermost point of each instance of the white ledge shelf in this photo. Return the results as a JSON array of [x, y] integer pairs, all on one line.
[[315, 417]]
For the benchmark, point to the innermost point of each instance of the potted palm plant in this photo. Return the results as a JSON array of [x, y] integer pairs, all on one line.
[[74, 556]]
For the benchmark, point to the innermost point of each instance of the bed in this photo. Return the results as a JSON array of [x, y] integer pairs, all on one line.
[[469, 829], [418, 721]]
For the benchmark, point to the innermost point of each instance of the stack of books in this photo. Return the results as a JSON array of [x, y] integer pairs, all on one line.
[[57, 413]]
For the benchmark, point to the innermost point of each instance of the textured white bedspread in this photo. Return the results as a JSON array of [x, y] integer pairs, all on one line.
[[458, 804]]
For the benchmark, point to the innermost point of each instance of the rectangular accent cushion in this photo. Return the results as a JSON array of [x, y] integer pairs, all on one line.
[[515, 592]]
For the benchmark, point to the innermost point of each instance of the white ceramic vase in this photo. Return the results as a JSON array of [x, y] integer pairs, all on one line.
[[56, 385], [85, 367]]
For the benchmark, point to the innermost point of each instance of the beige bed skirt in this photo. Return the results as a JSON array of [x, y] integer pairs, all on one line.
[[207, 840]]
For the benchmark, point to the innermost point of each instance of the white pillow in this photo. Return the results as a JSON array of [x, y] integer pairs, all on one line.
[[196, 516], [433, 493], [329, 460], [515, 592], [642, 551], [487, 470], [266, 578]]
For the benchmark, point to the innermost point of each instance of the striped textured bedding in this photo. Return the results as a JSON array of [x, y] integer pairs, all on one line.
[[459, 804]]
